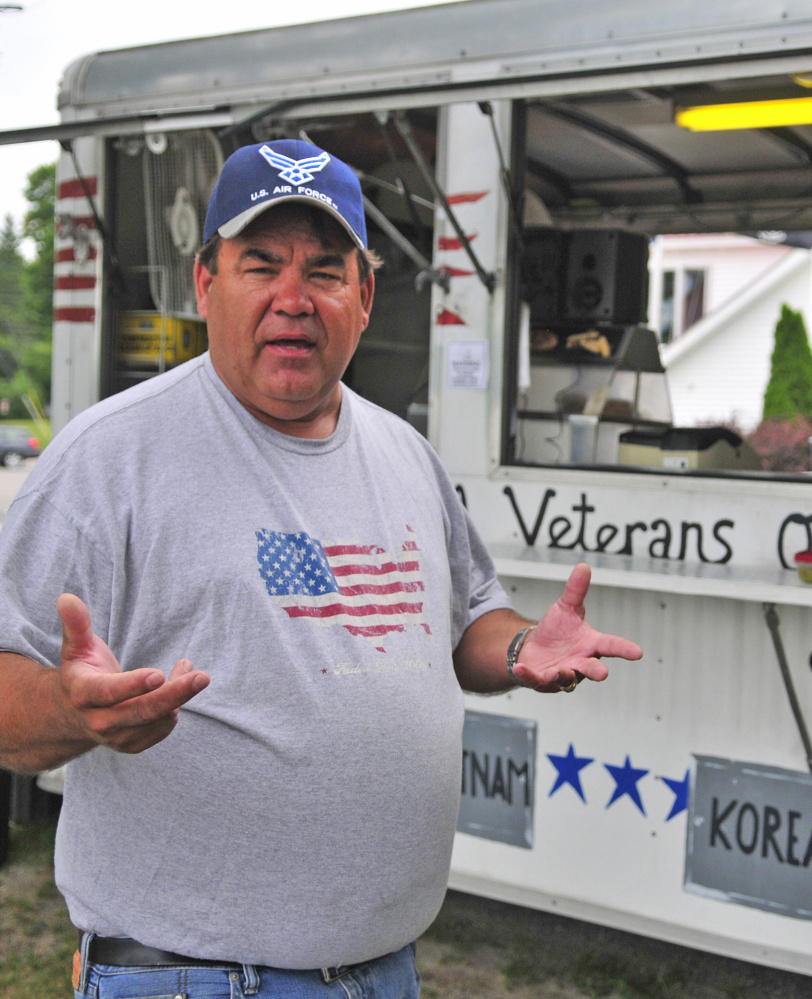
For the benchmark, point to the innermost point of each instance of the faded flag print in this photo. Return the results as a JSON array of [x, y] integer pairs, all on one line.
[[360, 587]]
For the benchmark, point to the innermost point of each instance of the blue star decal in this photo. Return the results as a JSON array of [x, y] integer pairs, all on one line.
[[569, 768], [680, 789], [626, 778]]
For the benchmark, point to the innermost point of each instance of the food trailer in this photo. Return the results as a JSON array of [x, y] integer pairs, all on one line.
[[517, 157]]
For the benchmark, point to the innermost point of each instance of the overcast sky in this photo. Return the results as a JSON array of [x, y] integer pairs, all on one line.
[[37, 43]]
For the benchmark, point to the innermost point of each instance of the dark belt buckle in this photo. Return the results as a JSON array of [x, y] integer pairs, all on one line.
[[333, 974]]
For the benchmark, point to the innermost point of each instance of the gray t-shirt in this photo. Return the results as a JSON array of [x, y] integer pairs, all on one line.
[[302, 812]]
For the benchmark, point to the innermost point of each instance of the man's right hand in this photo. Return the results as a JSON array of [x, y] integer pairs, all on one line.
[[126, 711]]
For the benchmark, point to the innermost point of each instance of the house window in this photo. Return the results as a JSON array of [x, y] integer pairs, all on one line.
[[667, 308], [693, 298], [682, 303]]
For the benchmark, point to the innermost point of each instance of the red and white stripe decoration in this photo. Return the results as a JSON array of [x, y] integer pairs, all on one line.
[[454, 245], [76, 253], [454, 242], [466, 198], [446, 317]]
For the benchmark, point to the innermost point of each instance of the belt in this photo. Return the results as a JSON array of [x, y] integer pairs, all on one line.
[[123, 952]]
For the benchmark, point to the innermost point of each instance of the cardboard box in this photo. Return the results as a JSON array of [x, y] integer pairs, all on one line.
[[687, 449]]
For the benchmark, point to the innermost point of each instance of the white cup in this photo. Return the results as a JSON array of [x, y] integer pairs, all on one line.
[[583, 433]]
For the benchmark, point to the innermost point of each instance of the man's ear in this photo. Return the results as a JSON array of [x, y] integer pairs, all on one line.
[[367, 294], [203, 280]]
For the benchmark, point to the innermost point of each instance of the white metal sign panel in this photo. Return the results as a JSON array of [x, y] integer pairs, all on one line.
[[498, 778], [750, 836]]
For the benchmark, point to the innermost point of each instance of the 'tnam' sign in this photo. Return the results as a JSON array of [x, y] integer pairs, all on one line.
[[498, 778]]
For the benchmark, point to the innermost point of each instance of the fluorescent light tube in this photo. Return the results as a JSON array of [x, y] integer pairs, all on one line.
[[751, 114]]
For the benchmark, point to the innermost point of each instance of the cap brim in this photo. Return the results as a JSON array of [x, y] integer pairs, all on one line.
[[236, 225]]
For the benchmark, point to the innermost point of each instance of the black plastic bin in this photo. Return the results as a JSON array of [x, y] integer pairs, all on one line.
[[22, 802], [5, 812], [29, 803]]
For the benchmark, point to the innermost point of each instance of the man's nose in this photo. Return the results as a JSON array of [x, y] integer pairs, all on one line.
[[291, 295]]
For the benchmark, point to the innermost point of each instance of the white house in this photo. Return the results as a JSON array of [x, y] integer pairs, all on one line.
[[718, 365]]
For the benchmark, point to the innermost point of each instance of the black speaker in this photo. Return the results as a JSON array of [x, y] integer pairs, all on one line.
[[543, 275], [606, 276]]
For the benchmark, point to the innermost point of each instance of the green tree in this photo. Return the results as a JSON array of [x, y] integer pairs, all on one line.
[[12, 311], [26, 298], [789, 390], [38, 226], [12, 290]]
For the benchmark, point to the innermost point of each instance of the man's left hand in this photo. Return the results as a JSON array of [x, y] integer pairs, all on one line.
[[563, 649]]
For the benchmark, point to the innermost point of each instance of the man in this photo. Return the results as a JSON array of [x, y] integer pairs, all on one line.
[[278, 820]]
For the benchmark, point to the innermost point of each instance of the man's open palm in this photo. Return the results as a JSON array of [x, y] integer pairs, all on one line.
[[128, 711]]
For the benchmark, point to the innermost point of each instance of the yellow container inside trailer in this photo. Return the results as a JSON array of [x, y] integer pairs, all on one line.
[[142, 338]]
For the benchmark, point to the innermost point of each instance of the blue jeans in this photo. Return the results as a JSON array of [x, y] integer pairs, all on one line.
[[393, 976]]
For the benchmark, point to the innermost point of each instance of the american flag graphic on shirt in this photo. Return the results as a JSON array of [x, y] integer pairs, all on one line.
[[359, 587]]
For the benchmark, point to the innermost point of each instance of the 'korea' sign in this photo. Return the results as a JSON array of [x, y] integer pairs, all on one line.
[[750, 836]]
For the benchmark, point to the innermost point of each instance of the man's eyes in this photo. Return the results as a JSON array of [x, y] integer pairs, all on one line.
[[322, 276], [262, 269]]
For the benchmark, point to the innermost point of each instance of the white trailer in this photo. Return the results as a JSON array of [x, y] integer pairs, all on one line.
[[523, 152]]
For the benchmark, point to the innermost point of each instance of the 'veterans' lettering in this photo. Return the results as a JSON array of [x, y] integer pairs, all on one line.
[[529, 536], [568, 533]]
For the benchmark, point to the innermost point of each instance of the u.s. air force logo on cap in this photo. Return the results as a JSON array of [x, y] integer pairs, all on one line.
[[295, 171]]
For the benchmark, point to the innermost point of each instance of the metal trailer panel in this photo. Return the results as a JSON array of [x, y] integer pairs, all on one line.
[[708, 686], [682, 565], [479, 40], [78, 262]]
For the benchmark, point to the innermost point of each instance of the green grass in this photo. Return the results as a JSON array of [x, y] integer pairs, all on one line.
[[32, 844], [534, 948], [37, 940], [600, 971], [531, 948]]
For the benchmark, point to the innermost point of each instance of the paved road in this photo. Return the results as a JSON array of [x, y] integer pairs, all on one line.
[[10, 481]]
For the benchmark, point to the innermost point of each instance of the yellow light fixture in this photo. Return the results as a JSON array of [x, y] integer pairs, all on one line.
[[750, 114]]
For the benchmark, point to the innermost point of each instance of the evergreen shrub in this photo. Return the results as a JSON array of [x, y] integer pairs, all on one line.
[[789, 390]]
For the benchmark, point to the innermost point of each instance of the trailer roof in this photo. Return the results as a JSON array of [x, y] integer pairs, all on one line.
[[601, 80], [450, 44]]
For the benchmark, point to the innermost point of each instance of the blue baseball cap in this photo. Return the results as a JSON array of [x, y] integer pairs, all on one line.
[[258, 177]]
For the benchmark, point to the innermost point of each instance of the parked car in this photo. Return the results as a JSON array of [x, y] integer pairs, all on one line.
[[17, 443]]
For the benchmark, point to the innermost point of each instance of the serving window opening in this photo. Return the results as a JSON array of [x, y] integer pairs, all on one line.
[[647, 279]]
